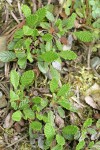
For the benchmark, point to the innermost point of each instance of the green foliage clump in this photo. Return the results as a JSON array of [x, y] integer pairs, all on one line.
[[37, 43]]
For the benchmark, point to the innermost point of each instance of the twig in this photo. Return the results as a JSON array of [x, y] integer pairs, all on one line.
[[19, 8], [9, 2], [17, 141], [13, 15], [39, 4], [60, 9], [34, 5], [7, 13], [88, 58], [49, 2]]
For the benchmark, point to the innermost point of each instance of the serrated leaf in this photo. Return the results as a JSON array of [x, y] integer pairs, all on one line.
[[70, 129], [27, 31], [61, 112], [51, 118], [59, 45], [69, 23], [14, 78], [41, 13], [28, 113], [45, 25], [47, 37], [26, 10], [16, 116], [18, 34], [7, 56], [80, 145], [84, 36], [36, 125], [54, 73], [60, 139], [53, 85], [27, 78], [63, 90], [22, 63], [67, 105], [49, 131], [24, 104], [35, 33], [69, 55], [37, 100], [50, 16], [43, 67], [49, 56], [31, 20], [14, 105], [87, 123], [13, 96]]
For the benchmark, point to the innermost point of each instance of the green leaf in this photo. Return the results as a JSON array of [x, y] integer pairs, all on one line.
[[44, 103], [27, 31], [18, 34], [50, 16], [84, 36], [16, 116], [68, 54], [61, 112], [49, 131], [27, 78], [51, 118], [60, 139], [54, 73], [14, 105], [22, 62], [63, 90], [19, 44], [59, 45], [35, 33], [43, 67], [7, 56], [49, 56], [41, 13], [45, 25], [96, 146], [13, 96], [47, 37], [26, 10], [98, 124], [14, 78], [91, 131], [36, 125], [87, 123], [29, 113], [66, 104], [70, 129], [80, 145], [31, 20], [37, 100], [70, 21], [24, 104], [53, 85]]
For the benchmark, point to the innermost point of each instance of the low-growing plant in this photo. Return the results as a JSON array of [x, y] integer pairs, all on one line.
[[39, 41]]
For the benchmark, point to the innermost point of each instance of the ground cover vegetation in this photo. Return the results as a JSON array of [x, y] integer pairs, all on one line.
[[52, 75]]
